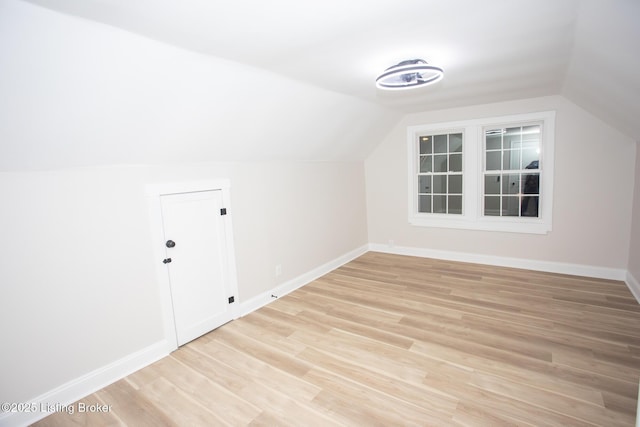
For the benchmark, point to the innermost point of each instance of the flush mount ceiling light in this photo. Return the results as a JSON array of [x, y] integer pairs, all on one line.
[[409, 74]]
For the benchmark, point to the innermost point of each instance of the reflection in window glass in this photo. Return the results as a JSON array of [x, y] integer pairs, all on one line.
[[455, 143], [439, 204], [492, 184], [440, 144], [426, 163], [424, 184], [530, 158], [494, 160], [494, 139], [455, 162], [424, 204], [455, 184], [511, 184], [425, 145], [516, 151], [492, 205], [454, 205], [440, 163], [440, 184], [510, 206]]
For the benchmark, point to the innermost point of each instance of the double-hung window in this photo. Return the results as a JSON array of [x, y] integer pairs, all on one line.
[[486, 174], [512, 171], [440, 174]]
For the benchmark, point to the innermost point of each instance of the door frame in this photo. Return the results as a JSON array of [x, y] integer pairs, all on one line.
[[154, 192]]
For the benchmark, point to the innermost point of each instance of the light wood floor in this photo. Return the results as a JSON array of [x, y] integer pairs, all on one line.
[[392, 340]]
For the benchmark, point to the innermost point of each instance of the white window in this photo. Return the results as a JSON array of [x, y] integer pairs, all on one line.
[[483, 174], [440, 174]]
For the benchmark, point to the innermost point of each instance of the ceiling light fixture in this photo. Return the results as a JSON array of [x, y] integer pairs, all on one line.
[[409, 74]]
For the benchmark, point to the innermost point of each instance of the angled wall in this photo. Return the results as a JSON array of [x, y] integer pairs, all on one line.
[[89, 116], [79, 93]]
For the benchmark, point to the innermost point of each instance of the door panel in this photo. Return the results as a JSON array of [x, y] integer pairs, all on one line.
[[198, 269]]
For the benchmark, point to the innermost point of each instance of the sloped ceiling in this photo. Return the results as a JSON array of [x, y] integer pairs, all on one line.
[[287, 78]]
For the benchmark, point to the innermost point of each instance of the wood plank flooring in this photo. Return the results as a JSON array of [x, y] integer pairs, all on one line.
[[394, 340]]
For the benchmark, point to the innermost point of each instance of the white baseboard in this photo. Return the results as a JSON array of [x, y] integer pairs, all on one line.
[[297, 282], [634, 286], [529, 264], [63, 396]]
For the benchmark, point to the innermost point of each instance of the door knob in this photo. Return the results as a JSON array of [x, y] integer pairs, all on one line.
[[170, 243]]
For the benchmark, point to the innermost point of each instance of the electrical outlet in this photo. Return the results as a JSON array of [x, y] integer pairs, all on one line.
[[278, 270]]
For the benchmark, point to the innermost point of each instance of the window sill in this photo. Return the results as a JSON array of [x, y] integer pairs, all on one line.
[[510, 225]]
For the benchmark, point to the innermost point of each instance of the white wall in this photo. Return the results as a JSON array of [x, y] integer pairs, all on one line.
[[78, 93], [594, 173], [77, 264], [78, 275], [79, 102], [634, 248]]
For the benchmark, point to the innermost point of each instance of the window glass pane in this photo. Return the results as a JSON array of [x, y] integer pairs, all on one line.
[[439, 183], [530, 158], [531, 141], [492, 205], [424, 184], [455, 204], [530, 206], [455, 162], [440, 143], [455, 143], [424, 204], [492, 184], [455, 184], [494, 142], [512, 138], [511, 160], [439, 204], [511, 184], [426, 164], [494, 160], [531, 183], [531, 136], [510, 206], [425, 145], [440, 163]]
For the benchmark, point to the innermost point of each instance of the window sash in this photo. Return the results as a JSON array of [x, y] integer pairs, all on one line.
[[440, 173], [473, 197], [512, 170]]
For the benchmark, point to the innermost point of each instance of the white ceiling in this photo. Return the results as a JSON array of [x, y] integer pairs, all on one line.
[[491, 50]]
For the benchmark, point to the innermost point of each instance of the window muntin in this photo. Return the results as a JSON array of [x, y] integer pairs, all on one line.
[[439, 173], [512, 170], [520, 206]]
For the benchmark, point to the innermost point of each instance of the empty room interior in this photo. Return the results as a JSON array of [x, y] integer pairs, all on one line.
[[314, 212]]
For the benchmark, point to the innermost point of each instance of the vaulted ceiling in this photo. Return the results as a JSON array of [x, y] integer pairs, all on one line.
[[330, 51]]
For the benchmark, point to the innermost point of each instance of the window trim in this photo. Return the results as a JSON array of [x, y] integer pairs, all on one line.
[[473, 142]]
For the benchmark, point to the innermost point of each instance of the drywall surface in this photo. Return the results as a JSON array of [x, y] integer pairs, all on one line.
[[594, 174], [634, 247], [79, 281], [77, 93]]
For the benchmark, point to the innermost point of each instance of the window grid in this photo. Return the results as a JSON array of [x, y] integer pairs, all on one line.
[[512, 171], [440, 174]]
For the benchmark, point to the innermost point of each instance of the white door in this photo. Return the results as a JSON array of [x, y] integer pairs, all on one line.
[[197, 260]]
